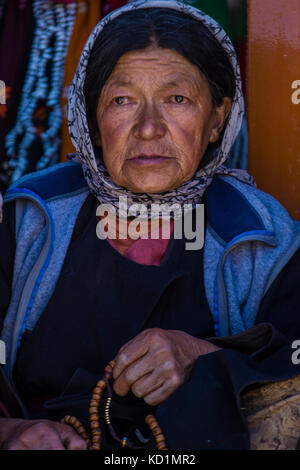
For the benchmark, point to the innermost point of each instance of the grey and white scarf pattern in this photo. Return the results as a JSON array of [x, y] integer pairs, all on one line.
[[96, 175]]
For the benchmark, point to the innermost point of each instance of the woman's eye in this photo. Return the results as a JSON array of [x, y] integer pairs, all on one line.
[[179, 99], [120, 100]]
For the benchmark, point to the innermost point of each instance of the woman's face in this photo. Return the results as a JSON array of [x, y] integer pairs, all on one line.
[[155, 117]]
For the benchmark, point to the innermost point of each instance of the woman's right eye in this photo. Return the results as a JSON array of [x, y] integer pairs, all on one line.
[[119, 100]]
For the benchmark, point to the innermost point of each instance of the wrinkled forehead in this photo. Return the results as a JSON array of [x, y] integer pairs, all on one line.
[[163, 64]]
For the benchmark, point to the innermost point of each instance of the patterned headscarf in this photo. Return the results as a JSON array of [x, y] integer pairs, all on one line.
[[95, 172]]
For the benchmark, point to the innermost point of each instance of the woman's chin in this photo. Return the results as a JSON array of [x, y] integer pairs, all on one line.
[[152, 180], [150, 187]]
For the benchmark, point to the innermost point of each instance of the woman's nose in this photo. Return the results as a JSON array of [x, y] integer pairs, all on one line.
[[150, 124]]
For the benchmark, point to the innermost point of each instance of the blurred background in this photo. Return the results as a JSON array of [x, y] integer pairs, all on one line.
[[40, 45]]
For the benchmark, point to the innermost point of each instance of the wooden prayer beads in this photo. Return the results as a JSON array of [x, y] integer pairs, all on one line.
[[78, 426], [95, 442], [157, 432]]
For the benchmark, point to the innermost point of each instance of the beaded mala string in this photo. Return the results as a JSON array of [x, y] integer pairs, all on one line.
[[95, 442], [54, 23]]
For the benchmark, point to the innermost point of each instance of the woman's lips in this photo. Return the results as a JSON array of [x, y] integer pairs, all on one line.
[[149, 160]]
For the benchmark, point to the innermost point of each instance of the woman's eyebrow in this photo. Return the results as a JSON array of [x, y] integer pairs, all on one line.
[[120, 83], [174, 84], [180, 84]]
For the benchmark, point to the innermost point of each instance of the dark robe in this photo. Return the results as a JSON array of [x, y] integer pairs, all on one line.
[[102, 300]]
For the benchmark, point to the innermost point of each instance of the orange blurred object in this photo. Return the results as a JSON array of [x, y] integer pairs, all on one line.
[[274, 99], [88, 14]]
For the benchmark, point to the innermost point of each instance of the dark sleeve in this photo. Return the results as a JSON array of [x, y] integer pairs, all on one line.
[[281, 304], [7, 255], [278, 320], [8, 246], [206, 412]]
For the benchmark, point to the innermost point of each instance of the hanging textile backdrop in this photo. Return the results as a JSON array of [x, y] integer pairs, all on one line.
[[17, 23], [87, 16]]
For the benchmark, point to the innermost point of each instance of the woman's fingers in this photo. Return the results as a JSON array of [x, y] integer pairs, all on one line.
[[134, 372], [160, 384], [70, 438], [42, 435], [137, 358], [130, 352], [156, 362], [155, 397], [148, 373], [147, 384], [39, 436]]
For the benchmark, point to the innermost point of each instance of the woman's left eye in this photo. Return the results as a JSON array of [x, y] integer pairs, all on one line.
[[179, 99]]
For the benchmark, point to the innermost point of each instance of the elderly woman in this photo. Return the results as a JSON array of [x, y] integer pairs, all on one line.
[[154, 108]]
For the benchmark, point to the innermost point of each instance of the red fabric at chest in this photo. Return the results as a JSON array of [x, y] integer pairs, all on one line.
[[143, 251]]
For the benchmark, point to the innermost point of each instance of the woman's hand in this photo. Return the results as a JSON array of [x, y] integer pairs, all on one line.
[[21, 434], [156, 362]]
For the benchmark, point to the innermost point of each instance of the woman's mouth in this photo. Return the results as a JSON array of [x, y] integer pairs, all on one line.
[[149, 159]]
